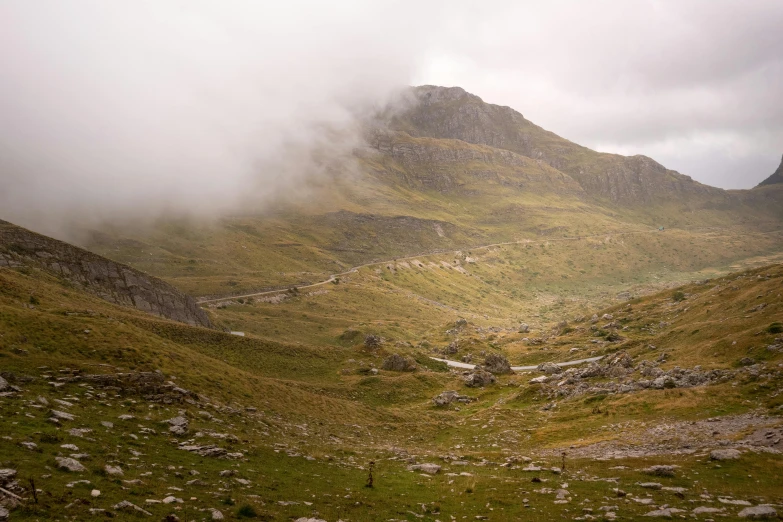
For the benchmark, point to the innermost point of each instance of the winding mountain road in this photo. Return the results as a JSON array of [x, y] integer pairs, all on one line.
[[442, 252], [467, 366], [424, 254]]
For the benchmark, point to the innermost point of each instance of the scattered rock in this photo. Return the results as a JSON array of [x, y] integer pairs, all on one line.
[[549, 368], [178, 425], [497, 364], [398, 363], [660, 470], [447, 397], [479, 378], [373, 341], [704, 510], [69, 464], [430, 469], [129, 506], [734, 502], [663, 513], [759, 513], [60, 415], [7, 475], [725, 454], [114, 471]]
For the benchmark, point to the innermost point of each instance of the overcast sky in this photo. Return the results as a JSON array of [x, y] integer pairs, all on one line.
[[695, 84], [136, 107]]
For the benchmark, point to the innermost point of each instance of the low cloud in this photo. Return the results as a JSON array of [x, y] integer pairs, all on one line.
[[127, 110], [131, 110]]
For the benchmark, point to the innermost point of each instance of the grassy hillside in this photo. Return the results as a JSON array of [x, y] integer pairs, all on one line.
[[318, 413]]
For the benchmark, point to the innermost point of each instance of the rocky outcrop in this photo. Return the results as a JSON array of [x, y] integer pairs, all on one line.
[[479, 379], [624, 377], [114, 282], [447, 397], [398, 363], [497, 364]]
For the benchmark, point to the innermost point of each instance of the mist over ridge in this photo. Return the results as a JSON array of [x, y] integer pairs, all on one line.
[[130, 112], [197, 108]]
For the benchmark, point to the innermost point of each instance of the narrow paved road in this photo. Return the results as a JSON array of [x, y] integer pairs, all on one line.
[[425, 254], [467, 366]]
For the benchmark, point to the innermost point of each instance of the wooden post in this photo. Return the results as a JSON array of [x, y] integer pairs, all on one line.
[[369, 475]]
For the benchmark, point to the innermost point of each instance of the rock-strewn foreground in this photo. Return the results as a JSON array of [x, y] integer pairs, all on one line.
[[107, 279]]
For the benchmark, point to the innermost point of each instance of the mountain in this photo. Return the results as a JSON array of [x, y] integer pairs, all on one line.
[[517, 248], [453, 113], [442, 171], [102, 277], [775, 178]]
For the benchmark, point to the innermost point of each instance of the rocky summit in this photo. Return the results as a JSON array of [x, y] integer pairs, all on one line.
[[467, 318]]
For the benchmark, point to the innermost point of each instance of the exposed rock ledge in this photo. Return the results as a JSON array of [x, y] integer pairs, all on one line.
[[114, 282]]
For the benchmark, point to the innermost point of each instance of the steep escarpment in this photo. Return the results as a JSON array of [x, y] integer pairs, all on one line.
[[107, 279], [452, 113]]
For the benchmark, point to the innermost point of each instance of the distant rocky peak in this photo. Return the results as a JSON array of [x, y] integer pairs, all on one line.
[[776, 177], [435, 94]]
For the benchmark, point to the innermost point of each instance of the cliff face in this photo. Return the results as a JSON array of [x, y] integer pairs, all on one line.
[[106, 279], [452, 113]]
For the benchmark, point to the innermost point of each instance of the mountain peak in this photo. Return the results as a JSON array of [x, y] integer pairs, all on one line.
[[776, 177], [437, 94]]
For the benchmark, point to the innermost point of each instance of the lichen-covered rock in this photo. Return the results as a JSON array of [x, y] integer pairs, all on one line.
[[549, 368], [661, 470], [398, 363], [430, 469], [69, 464], [759, 513], [372, 341], [725, 454], [7, 475], [479, 378], [129, 506], [497, 364], [114, 471], [447, 397]]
